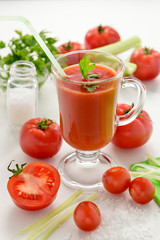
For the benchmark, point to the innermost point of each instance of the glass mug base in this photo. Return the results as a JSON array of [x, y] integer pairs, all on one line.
[[84, 170]]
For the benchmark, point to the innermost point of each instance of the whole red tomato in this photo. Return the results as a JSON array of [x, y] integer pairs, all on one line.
[[116, 180], [134, 134], [35, 186], [70, 47], [87, 216], [40, 138], [148, 63], [100, 36], [141, 190]]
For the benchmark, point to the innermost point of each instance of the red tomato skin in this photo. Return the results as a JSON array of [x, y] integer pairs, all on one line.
[[75, 47], [39, 143], [95, 39], [134, 134], [148, 65], [33, 204], [87, 216], [141, 190], [116, 180]]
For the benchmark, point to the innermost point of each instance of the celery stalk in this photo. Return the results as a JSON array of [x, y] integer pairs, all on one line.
[[152, 161], [53, 213], [41, 228], [130, 68], [150, 175], [121, 46], [147, 174], [145, 170], [58, 222]]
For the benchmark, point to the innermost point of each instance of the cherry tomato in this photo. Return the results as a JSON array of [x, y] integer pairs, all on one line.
[[141, 190], [134, 134], [40, 138], [148, 63], [70, 47], [87, 216], [35, 186], [100, 36], [116, 180]]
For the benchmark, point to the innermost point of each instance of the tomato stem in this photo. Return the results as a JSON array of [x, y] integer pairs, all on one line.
[[145, 117], [100, 29], [129, 109], [68, 46], [16, 171], [147, 51], [44, 124]]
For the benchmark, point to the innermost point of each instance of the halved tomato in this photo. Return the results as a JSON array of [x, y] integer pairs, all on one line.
[[35, 186]]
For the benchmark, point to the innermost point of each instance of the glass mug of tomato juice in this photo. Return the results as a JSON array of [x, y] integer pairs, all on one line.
[[88, 114]]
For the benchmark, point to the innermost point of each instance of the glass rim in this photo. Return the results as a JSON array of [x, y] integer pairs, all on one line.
[[28, 66], [118, 74]]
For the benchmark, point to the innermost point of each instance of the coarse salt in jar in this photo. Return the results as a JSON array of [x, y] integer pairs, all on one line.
[[21, 93]]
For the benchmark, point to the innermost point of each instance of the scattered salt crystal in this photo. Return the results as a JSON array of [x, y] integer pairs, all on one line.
[[68, 237]]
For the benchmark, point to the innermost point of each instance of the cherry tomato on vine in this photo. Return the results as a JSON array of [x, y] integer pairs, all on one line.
[[35, 186], [87, 216], [100, 36], [116, 180], [148, 63], [134, 134], [141, 190], [70, 46], [40, 138]]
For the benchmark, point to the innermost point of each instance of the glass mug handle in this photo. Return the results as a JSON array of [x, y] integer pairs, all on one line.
[[134, 112]]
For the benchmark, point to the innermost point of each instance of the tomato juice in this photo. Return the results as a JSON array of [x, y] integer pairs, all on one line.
[[87, 119]]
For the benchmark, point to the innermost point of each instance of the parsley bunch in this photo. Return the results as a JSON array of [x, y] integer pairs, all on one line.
[[25, 47]]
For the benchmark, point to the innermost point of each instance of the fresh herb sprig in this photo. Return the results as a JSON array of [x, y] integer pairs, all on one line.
[[91, 88], [85, 68], [25, 47]]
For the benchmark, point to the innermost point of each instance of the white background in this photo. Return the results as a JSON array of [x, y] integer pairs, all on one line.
[[70, 20]]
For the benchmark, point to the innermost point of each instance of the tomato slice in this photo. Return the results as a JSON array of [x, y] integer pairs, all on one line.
[[35, 187]]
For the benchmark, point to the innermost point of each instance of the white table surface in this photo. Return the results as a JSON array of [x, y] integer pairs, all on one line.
[[70, 20]]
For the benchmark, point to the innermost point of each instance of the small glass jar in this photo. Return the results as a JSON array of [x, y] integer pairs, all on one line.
[[21, 93]]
